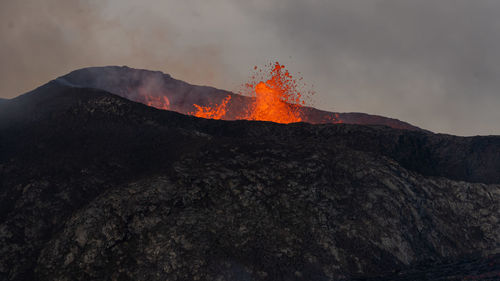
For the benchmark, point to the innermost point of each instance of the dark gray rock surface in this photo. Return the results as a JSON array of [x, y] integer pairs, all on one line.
[[96, 187]]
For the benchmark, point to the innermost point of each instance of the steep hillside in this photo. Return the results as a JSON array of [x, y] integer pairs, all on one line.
[[97, 187]]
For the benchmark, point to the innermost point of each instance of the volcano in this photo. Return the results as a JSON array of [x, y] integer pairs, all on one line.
[[97, 185], [160, 90]]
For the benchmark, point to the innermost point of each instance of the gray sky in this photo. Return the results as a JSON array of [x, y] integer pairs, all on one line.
[[433, 63]]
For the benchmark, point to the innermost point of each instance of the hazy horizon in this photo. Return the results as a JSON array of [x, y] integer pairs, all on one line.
[[432, 64]]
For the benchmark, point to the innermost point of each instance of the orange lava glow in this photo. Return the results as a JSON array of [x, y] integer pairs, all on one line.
[[276, 100], [212, 112], [160, 102]]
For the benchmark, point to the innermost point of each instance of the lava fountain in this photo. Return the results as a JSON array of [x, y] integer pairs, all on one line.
[[277, 99], [272, 94]]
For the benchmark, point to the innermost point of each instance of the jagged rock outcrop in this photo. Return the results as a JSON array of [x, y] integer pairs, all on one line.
[[96, 187]]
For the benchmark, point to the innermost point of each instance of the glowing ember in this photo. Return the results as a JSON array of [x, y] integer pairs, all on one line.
[[212, 112], [160, 102]]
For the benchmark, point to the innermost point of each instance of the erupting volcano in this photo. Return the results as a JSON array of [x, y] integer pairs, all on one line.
[[270, 94], [274, 95], [277, 99], [102, 187]]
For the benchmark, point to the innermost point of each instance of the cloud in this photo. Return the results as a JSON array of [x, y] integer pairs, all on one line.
[[44, 39], [432, 63]]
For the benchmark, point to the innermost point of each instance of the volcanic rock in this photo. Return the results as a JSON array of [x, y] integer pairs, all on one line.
[[97, 187]]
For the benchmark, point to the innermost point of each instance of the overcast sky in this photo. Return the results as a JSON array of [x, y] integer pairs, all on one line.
[[433, 63]]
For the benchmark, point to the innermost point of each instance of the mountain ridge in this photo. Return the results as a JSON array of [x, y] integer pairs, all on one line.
[[129, 82]]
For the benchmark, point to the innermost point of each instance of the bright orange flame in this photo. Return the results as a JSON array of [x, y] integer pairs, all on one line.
[[274, 96], [270, 105], [160, 102], [275, 100], [212, 112]]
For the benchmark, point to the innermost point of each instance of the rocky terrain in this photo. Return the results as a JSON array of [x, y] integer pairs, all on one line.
[[97, 187]]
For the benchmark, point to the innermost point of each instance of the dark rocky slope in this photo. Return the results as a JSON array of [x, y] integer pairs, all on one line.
[[96, 187]]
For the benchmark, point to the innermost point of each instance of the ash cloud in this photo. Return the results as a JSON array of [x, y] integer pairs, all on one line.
[[432, 63]]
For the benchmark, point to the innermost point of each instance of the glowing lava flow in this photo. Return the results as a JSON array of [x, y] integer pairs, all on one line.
[[212, 112], [276, 100]]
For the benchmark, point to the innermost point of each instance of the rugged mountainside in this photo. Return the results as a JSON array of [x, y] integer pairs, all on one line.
[[97, 187], [135, 84]]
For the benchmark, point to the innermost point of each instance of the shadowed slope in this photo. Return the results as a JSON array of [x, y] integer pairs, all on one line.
[[94, 186]]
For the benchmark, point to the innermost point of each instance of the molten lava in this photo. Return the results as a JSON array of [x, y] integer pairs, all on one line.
[[273, 95], [276, 100], [212, 112]]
